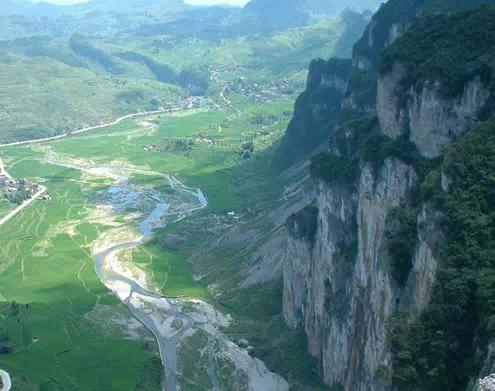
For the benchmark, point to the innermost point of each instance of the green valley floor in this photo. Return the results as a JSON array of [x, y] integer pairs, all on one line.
[[61, 318]]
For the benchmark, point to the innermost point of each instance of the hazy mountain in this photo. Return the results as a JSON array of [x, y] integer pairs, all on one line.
[[276, 14], [27, 8]]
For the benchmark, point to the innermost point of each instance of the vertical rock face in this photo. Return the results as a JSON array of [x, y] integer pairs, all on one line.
[[396, 30], [343, 287], [340, 288], [372, 298], [329, 281], [432, 120], [390, 113], [392, 19], [436, 122], [333, 81], [419, 288], [296, 275], [318, 107]]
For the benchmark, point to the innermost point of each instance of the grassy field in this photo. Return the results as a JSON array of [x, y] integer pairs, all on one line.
[[53, 307], [49, 290]]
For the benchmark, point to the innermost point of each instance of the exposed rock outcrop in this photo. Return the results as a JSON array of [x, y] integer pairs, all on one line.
[[317, 108], [432, 120], [340, 288], [419, 288], [390, 113], [486, 384], [486, 381]]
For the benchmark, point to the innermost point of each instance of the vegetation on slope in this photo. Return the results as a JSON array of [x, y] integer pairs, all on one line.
[[431, 52], [400, 12], [62, 84], [401, 234], [333, 169], [403, 13], [81, 46], [442, 349]]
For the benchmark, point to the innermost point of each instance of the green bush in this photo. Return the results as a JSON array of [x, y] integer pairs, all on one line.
[[384, 374], [334, 169]]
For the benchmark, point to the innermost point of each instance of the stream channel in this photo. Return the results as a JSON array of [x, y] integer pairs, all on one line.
[[169, 319]]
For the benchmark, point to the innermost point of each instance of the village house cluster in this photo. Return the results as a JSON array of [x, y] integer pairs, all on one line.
[[192, 102], [17, 190], [267, 91]]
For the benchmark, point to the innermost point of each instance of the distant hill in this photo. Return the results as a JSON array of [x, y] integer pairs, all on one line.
[[171, 17], [279, 14], [43, 9], [26, 8], [24, 18]]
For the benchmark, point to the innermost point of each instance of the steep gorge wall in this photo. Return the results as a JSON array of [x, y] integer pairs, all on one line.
[[342, 285], [339, 287], [316, 109]]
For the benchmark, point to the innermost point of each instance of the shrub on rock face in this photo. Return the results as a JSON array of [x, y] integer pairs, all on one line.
[[452, 61], [334, 169], [442, 346]]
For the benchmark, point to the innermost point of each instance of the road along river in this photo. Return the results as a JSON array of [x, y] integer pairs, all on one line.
[[188, 331]]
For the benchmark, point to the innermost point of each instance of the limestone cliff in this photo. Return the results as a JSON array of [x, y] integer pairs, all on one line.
[[317, 109], [339, 286], [432, 120], [378, 240]]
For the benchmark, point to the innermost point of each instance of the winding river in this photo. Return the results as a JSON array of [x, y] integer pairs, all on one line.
[[149, 308], [171, 320]]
